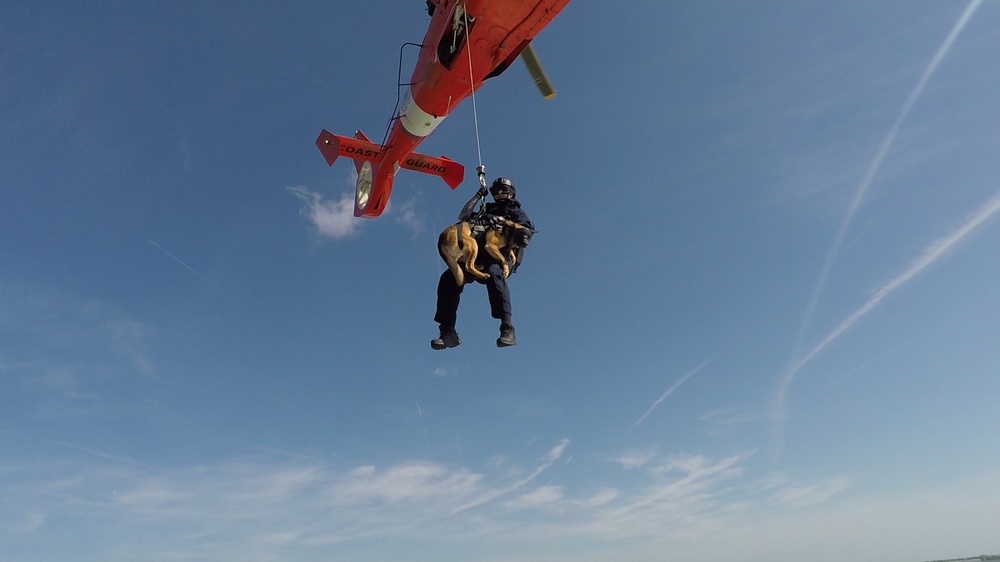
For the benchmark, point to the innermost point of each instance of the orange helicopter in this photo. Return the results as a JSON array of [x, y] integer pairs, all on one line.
[[467, 42]]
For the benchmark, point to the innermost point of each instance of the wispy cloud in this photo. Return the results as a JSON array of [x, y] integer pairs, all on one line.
[[805, 495], [727, 420], [70, 352], [670, 391], [550, 458], [539, 497], [282, 510], [331, 218], [635, 459], [409, 481], [440, 372], [407, 215], [33, 520], [681, 487]]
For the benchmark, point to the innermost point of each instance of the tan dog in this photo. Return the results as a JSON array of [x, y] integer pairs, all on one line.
[[462, 256]]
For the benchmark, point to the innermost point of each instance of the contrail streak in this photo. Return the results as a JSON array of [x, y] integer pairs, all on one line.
[[191, 269], [933, 253], [670, 391], [420, 413], [95, 452], [876, 164], [859, 195]]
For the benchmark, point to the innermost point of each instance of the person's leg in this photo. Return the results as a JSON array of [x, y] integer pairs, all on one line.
[[500, 307], [449, 294]]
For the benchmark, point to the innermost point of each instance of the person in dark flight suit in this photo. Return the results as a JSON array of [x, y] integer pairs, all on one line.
[[505, 205]]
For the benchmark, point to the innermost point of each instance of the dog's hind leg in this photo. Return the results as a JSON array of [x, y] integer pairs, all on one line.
[[470, 251], [494, 241]]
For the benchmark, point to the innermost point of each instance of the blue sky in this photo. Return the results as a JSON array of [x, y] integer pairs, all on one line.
[[759, 320]]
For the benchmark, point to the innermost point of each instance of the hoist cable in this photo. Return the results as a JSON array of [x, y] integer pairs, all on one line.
[[475, 110]]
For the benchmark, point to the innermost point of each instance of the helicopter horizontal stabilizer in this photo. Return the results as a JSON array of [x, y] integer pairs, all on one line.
[[358, 149], [450, 171]]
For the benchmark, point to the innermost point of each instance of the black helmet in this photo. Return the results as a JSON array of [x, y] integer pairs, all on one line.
[[503, 185]]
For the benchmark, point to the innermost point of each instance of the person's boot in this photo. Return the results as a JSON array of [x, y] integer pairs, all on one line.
[[507, 337], [449, 338]]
